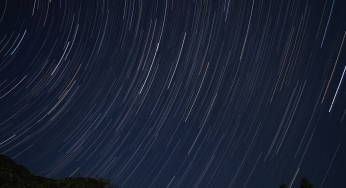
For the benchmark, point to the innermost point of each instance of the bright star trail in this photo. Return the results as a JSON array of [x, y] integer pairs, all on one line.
[[176, 93]]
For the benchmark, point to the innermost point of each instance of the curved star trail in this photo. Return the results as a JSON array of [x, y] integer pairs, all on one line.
[[176, 93]]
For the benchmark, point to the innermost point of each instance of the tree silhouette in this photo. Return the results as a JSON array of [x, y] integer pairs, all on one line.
[[283, 185], [304, 183]]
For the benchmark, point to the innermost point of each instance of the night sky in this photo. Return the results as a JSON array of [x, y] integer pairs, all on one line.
[[176, 93]]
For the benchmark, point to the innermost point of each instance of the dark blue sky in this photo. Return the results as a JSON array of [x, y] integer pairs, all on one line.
[[176, 93]]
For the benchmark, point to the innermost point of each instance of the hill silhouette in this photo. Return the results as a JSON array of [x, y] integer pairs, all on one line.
[[13, 175]]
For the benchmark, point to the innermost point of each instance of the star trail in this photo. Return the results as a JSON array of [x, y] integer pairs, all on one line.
[[176, 93]]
